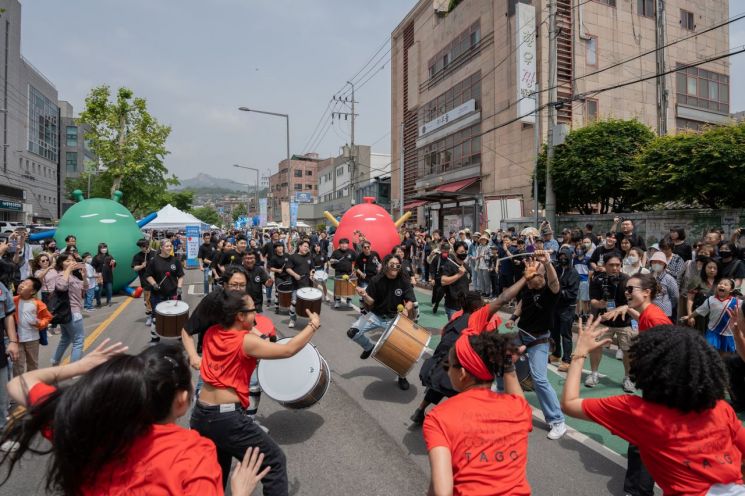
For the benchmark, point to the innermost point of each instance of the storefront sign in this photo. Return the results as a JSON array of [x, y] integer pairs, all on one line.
[[192, 246], [10, 205], [526, 62], [302, 197], [444, 119]]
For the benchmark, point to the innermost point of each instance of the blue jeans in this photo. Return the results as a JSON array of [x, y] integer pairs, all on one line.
[[207, 272], [89, 294], [269, 295], [366, 323], [449, 312], [538, 358], [105, 288], [72, 333]]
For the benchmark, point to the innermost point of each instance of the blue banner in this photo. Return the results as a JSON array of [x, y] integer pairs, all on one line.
[[192, 246], [262, 211], [293, 214]]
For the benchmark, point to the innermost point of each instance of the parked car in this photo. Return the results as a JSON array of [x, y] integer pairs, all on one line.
[[9, 227]]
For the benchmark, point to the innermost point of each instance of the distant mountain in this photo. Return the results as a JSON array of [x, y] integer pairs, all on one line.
[[207, 182]]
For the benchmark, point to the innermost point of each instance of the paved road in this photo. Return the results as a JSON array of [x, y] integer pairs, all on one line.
[[358, 439]]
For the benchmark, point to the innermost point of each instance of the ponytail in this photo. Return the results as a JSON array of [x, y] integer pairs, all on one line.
[[648, 282], [493, 348]]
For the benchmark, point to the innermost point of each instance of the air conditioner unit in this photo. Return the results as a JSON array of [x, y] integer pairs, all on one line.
[[441, 6]]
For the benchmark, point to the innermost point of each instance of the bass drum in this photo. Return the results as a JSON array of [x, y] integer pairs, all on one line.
[[522, 369], [297, 382]]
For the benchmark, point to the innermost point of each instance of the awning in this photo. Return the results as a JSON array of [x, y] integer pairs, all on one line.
[[457, 185], [414, 204]]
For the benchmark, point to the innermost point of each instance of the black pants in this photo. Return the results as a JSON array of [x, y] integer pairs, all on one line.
[[433, 397], [638, 482], [233, 433], [561, 332], [438, 293], [736, 372], [494, 278]]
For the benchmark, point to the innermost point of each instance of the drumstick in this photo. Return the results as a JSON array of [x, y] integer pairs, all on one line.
[[346, 278], [400, 308]]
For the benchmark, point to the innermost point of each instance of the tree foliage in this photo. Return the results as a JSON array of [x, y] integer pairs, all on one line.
[[130, 145], [182, 200], [589, 168], [707, 168], [239, 211], [208, 215]]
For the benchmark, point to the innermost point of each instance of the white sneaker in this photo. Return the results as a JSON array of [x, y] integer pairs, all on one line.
[[149, 321], [592, 380], [336, 304], [557, 430], [9, 446], [291, 324], [628, 386], [619, 354]]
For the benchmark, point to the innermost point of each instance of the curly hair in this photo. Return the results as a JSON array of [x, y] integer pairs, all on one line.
[[493, 348], [676, 367]]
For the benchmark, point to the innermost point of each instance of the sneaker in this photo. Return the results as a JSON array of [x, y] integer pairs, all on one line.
[[418, 416], [619, 354], [155, 339], [563, 367], [592, 380], [149, 321], [557, 430], [403, 384], [9, 446], [336, 304], [291, 324], [366, 354], [553, 359], [628, 386]]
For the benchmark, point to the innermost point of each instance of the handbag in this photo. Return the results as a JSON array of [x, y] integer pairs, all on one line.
[[59, 307]]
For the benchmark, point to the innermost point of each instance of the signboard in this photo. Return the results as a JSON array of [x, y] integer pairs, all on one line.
[[526, 62], [303, 197], [11, 205], [192, 246], [285, 209], [444, 119], [262, 211], [293, 214]]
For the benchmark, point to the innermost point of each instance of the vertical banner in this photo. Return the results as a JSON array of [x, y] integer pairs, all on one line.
[[285, 214], [262, 211], [192, 246], [293, 214], [525, 29]]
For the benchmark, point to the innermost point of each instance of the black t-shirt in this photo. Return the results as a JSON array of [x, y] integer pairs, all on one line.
[[368, 264], [600, 253], [205, 253], [206, 314], [635, 239], [683, 250], [344, 260], [319, 261], [267, 249], [255, 285], [388, 294], [102, 264], [455, 291], [407, 270], [157, 269], [280, 262], [139, 259], [616, 290], [232, 257], [537, 310], [301, 265], [735, 269]]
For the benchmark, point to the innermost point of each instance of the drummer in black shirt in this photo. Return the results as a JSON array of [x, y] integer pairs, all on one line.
[[408, 272], [278, 266], [320, 264], [165, 274], [139, 264], [267, 251], [455, 278], [385, 292], [258, 279], [342, 260], [235, 256], [205, 257], [299, 267], [367, 265]]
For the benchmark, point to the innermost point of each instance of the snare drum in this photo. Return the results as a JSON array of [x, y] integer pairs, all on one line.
[[344, 288], [320, 276], [402, 345], [296, 382], [170, 318], [284, 294], [308, 299]]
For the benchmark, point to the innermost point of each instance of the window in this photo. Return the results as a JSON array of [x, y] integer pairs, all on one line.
[[309, 173], [71, 162], [645, 7], [43, 138], [462, 44], [460, 93], [298, 173], [309, 186], [461, 149], [703, 89], [339, 171], [591, 110], [686, 20], [298, 187], [71, 135], [591, 51], [609, 3]]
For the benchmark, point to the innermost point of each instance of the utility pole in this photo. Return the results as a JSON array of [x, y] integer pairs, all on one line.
[[659, 38], [401, 172], [537, 139], [352, 150], [553, 96]]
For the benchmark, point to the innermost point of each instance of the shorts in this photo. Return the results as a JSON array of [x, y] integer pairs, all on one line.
[[720, 342], [584, 291], [621, 336]]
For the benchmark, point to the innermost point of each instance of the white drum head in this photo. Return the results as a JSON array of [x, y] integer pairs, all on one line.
[[289, 379], [320, 275], [171, 307], [309, 294]]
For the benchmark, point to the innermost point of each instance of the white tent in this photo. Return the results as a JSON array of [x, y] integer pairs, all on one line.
[[170, 217]]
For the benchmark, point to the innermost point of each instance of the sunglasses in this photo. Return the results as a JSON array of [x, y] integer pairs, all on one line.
[[630, 289], [394, 266]]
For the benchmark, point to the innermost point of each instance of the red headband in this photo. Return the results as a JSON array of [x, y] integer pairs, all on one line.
[[470, 360]]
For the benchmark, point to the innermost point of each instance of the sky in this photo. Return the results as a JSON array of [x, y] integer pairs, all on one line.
[[196, 62]]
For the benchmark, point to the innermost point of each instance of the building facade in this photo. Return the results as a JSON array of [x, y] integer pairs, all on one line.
[[463, 92], [295, 181], [75, 154]]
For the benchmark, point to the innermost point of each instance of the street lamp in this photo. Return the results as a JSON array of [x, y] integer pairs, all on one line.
[[257, 183], [287, 117]]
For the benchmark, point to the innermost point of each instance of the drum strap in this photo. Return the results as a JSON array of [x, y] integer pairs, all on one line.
[[538, 341]]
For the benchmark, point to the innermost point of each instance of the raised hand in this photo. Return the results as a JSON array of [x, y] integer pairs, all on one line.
[[588, 335]]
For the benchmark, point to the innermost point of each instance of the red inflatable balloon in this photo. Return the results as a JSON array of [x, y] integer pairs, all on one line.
[[374, 222]]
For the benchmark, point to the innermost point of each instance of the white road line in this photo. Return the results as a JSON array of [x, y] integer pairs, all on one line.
[[193, 292]]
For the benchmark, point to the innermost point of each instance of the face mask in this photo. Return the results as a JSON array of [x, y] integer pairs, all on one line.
[[445, 254], [461, 256], [564, 261], [657, 268], [725, 254], [104, 250], [587, 246], [88, 260], [633, 260]]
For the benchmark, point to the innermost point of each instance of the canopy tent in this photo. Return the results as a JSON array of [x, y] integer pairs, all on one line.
[[170, 217]]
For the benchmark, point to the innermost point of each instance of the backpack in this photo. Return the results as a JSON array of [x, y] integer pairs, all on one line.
[[59, 306]]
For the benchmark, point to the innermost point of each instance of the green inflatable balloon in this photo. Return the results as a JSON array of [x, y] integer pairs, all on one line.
[[99, 220]]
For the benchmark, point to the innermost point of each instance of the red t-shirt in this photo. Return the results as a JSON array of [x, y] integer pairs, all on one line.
[[652, 316], [224, 364], [166, 460], [264, 325], [479, 320], [487, 435], [686, 453]]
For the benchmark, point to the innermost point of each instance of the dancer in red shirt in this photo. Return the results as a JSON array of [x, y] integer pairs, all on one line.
[[229, 355], [113, 430], [689, 438], [641, 290]]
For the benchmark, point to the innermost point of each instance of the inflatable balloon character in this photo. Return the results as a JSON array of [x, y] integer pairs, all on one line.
[[99, 220], [373, 221]]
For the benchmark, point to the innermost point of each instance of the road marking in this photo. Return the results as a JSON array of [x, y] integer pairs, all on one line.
[[102, 327], [192, 292]]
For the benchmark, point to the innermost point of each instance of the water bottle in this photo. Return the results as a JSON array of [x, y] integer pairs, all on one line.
[[635, 325]]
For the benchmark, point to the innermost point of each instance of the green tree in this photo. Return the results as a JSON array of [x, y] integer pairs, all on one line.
[[130, 145], [706, 168], [208, 215], [182, 200], [590, 168], [238, 211]]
